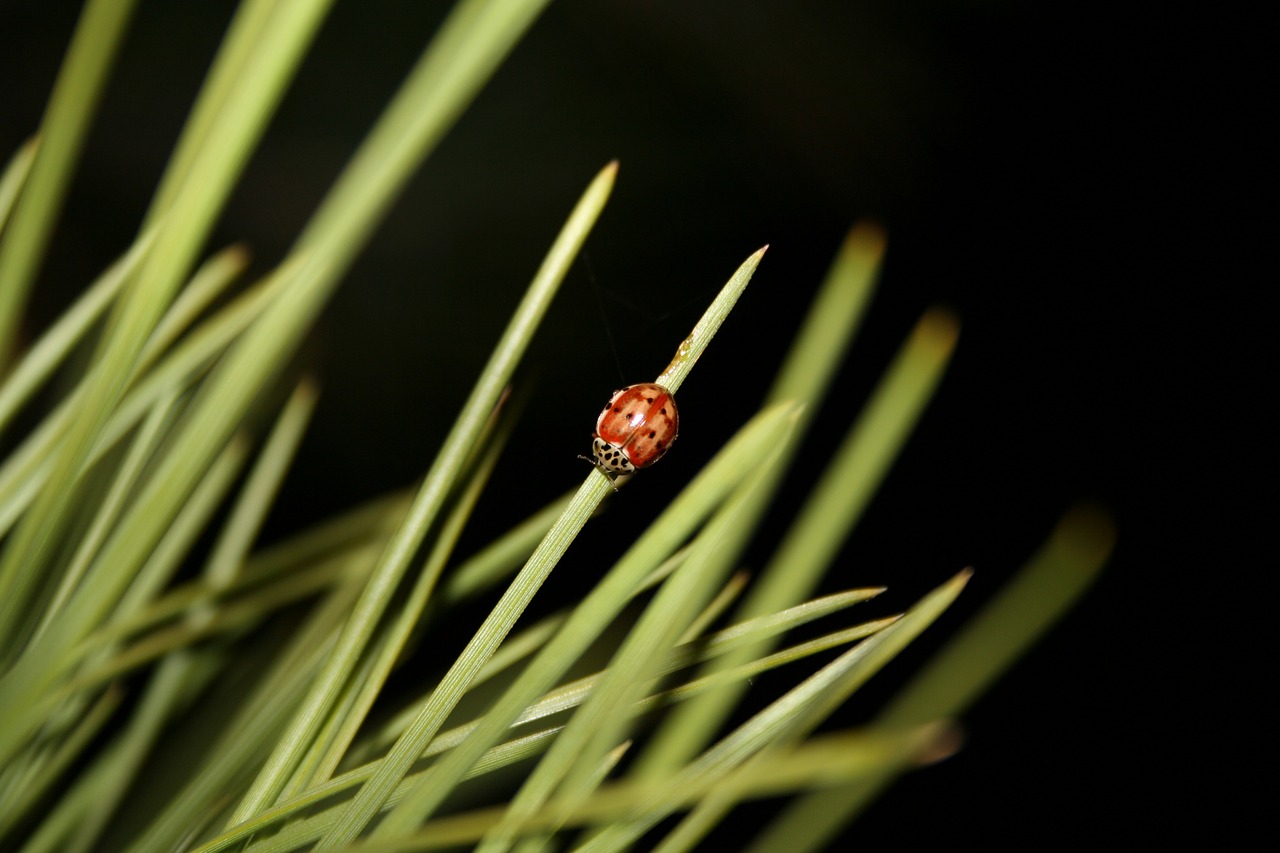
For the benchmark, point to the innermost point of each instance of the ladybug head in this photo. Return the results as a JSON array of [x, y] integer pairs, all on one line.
[[610, 459]]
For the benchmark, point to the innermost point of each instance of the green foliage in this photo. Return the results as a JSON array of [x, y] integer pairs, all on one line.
[[109, 633]]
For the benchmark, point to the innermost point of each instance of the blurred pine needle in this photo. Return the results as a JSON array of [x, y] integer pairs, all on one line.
[[109, 633]]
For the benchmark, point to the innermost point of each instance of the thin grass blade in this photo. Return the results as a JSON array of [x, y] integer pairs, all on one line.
[[1042, 591], [15, 177], [391, 644], [791, 716], [54, 345], [565, 697], [601, 722], [72, 106], [854, 474], [429, 502], [600, 607], [486, 640]]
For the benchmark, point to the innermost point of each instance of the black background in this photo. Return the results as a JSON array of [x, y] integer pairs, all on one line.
[[1036, 170]]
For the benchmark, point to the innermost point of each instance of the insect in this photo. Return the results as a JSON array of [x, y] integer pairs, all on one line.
[[638, 425]]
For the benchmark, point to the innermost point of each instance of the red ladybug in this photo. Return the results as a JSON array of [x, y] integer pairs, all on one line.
[[637, 426]]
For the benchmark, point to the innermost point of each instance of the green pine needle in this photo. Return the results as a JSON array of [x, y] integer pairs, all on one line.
[[168, 683]]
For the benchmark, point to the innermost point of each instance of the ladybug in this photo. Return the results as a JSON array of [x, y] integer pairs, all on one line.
[[638, 425]]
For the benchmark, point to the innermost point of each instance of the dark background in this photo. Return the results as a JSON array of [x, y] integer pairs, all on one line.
[[1033, 167]]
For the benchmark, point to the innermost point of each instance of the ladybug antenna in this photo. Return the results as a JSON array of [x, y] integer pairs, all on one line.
[[604, 317]]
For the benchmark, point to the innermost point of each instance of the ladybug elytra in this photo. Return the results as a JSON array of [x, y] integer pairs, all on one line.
[[638, 425]]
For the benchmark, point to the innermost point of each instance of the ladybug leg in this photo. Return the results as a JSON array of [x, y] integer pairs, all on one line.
[[612, 477]]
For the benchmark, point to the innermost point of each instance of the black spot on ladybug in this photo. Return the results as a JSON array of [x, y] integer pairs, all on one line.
[[652, 433]]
